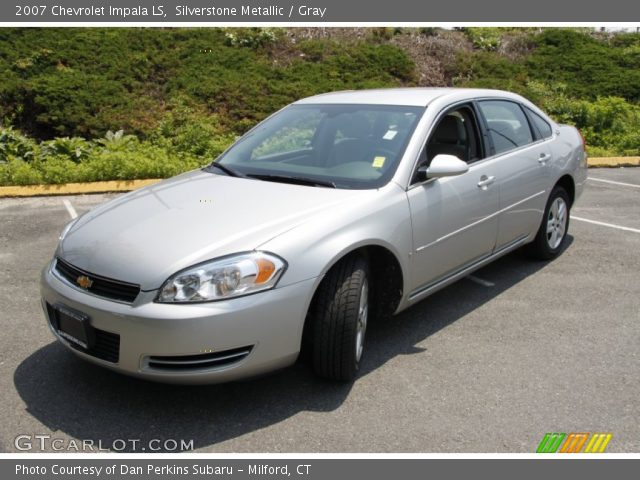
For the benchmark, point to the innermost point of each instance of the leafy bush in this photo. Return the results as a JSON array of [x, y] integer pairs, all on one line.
[[588, 66], [183, 95], [74, 149], [18, 172], [14, 144], [251, 37], [188, 129], [88, 81], [610, 125], [493, 38], [485, 38], [117, 140], [578, 77], [487, 70], [115, 157]]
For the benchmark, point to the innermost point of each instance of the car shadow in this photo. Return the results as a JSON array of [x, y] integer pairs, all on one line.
[[88, 402]]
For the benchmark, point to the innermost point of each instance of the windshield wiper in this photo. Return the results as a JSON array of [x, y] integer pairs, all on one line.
[[228, 170], [294, 180]]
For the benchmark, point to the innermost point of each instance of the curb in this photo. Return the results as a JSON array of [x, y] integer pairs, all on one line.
[[128, 185], [76, 188], [609, 162]]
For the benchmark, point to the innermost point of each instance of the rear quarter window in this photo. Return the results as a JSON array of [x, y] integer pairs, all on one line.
[[541, 124]]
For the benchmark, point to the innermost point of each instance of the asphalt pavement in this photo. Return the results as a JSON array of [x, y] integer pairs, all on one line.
[[490, 364]]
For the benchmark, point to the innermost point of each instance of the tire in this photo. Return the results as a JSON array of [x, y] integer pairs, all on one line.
[[340, 312], [554, 226]]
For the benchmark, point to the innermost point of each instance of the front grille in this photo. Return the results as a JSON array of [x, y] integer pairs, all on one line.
[[201, 361], [100, 286], [106, 346]]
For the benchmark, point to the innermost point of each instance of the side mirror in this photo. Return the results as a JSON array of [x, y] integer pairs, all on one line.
[[443, 166]]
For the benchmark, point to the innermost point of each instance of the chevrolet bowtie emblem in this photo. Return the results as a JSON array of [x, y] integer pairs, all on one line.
[[84, 281]]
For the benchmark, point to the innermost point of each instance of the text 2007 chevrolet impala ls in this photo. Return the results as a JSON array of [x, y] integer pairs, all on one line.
[[337, 208]]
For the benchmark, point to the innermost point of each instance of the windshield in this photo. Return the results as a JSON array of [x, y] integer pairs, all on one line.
[[346, 146]]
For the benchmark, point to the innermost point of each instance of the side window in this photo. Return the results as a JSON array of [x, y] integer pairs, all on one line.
[[456, 134], [507, 124], [540, 123]]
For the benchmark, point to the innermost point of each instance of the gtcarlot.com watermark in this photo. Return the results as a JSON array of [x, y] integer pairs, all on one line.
[[45, 442]]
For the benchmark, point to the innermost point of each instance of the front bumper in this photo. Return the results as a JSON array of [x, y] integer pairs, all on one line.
[[269, 323]]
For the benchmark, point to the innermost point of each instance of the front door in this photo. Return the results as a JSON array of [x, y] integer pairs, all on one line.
[[454, 219]]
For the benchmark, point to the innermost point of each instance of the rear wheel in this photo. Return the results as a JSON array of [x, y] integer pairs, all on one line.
[[553, 229], [340, 314]]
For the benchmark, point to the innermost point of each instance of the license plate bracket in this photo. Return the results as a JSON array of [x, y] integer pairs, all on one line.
[[73, 326]]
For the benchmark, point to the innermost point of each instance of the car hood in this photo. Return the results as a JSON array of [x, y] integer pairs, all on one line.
[[147, 235]]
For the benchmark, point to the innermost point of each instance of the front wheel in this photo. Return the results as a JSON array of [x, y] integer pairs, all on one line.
[[554, 227], [340, 313]]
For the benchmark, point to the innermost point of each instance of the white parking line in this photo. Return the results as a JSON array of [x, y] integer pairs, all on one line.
[[72, 211], [603, 224], [614, 183], [481, 281]]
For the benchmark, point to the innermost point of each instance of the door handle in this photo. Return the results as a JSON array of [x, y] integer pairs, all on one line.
[[544, 158], [486, 181]]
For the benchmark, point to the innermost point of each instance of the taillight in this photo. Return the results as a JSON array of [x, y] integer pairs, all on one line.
[[584, 143]]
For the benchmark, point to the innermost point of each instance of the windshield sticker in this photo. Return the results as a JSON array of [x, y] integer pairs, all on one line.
[[378, 162]]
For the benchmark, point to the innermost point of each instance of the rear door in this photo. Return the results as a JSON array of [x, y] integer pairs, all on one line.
[[521, 159]]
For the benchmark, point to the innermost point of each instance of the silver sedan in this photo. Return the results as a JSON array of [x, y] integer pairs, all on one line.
[[337, 209]]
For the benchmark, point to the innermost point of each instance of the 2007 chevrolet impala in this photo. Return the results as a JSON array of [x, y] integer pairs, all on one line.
[[335, 209]]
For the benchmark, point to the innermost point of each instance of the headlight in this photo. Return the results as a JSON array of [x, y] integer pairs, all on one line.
[[223, 278], [66, 229]]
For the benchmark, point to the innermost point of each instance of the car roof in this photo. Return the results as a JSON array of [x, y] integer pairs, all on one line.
[[402, 96]]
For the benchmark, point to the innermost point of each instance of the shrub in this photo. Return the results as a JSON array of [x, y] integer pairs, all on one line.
[[484, 38], [588, 66], [610, 125], [188, 129], [53, 169], [74, 149], [172, 99], [117, 140], [18, 172], [68, 102], [251, 37], [15, 144], [115, 157]]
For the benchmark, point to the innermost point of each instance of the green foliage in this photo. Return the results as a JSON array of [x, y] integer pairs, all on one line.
[[577, 77], [190, 130], [88, 81], [590, 67], [183, 95], [74, 149], [68, 102], [247, 87], [18, 172], [429, 31], [143, 161], [487, 70], [115, 157], [383, 34], [492, 38], [251, 37], [14, 144], [610, 125], [115, 141], [484, 38], [85, 81]]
